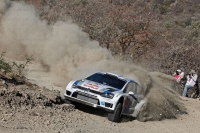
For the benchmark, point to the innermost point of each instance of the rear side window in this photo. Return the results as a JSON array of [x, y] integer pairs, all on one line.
[[139, 90], [131, 87]]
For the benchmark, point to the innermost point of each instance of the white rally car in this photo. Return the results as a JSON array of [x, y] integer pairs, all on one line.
[[107, 91]]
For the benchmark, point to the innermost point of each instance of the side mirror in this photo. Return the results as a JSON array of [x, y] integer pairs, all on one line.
[[131, 93]]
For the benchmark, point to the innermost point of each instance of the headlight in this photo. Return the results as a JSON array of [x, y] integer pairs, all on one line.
[[107, 95], [75, 84]]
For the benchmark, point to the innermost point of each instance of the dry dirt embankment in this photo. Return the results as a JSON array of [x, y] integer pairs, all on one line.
[[27, 106]]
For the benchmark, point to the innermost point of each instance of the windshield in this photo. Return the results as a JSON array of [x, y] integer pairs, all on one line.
[[107, 79]]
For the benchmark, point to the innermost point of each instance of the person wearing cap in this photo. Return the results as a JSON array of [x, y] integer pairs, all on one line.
[[191, 81]]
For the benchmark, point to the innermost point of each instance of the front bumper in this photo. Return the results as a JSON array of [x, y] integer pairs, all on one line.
[[87, 103], [90, 99]]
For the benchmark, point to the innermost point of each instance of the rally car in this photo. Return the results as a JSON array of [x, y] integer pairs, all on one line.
[[107, 91]]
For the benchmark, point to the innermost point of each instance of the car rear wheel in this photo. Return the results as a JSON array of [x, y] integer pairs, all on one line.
[[115, 116]]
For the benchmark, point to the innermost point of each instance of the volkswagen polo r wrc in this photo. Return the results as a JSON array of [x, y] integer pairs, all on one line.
[[113, 93]]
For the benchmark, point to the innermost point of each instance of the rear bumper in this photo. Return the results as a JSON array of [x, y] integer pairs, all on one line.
[[87, 103]]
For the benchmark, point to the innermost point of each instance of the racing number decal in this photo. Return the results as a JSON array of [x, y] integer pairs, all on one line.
[[91, 86]]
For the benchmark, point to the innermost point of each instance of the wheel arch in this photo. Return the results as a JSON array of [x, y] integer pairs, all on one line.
[[121, 100]]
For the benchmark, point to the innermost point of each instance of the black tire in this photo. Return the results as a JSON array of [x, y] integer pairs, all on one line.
[[115, 116]]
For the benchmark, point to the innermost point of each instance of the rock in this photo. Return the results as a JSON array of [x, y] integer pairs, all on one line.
[[34, 114], [47, 123], [3, 119]]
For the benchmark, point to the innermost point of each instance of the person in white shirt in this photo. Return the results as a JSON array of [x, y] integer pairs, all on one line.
[[191, 81]]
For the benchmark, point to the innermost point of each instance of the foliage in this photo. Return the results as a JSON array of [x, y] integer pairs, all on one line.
[[167, 24], [163, 9], [114, 25], [4, 65], [14, 67], [153, 6], [168, 2], [161, 34], [20, 68], [194, 31]]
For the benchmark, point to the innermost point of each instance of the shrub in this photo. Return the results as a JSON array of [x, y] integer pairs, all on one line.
[[194, 33], [4, 65], [163, 9], [14, 67], [158, 1], [167, 25], [168, 2], [20, 68], [153, 6]]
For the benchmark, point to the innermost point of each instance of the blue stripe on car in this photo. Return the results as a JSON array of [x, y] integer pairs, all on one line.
[[76, 82]]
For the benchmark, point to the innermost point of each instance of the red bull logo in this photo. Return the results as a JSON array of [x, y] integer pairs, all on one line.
[[91, 86]]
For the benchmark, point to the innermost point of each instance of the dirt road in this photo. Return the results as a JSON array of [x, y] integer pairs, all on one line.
[[29, 108], [22, 118]]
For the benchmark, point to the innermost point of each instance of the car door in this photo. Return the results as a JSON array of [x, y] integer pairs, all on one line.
[[130, 100]]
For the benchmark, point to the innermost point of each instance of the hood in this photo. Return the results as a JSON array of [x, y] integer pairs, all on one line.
[[96, 86]]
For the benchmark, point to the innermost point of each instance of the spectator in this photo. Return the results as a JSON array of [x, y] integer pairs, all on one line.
[[177, 75], [191, 81], [181, 74]]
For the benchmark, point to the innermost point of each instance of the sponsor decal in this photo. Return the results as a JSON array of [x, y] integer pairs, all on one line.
[[107, 92], [91, 86], [76, 82]]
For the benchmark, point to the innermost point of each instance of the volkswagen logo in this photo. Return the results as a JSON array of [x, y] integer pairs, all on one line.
[[88, 90]]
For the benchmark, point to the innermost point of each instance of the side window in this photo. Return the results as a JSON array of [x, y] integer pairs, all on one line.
[[128, 88], [131, 87], [139, 90], [134, 88]]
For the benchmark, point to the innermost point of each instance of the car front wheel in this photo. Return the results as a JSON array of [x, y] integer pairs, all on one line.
[[115, 116]]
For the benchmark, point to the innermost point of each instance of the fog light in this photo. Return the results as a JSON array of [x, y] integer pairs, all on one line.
[[68, 93], [108, 105]]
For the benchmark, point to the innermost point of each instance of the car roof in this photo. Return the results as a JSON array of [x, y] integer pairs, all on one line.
[[119, 76]]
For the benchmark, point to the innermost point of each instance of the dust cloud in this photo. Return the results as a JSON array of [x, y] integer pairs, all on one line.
[[68, 53]]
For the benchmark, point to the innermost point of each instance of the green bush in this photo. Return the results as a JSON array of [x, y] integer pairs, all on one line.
[[167, 24], [4, 65], [158, 1], [20, 68], [168, 2], [14, 67], [163, 9], [153, 6], [194, 33]]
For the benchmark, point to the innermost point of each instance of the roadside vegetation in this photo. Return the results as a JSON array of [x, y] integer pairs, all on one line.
[[13, 70], [161, 35]]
